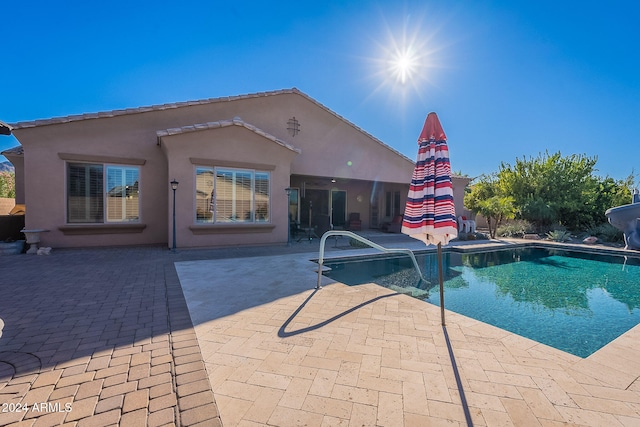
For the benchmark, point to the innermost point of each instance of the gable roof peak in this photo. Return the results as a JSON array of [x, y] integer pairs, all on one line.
[[236, 121]]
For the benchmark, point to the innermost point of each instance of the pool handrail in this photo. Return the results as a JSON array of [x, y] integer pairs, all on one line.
[[365, 241]]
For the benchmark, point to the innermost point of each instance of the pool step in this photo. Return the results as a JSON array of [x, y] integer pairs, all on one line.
[[325, 269]]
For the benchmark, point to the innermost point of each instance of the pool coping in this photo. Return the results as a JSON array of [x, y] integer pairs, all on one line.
[[484, 246], [602, 353]]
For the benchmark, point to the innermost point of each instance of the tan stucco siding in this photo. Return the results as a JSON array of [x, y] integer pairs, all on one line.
[[45, 178], [333, 147], [459, 186], [218, 147]]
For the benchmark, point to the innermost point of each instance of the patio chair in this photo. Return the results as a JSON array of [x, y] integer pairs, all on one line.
[[466, 225], [395, 226], [354, 224]]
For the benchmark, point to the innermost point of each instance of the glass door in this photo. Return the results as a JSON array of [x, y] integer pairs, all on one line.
[[294, 205]]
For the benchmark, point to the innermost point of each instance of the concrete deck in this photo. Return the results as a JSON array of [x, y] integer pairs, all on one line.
[[108, 332]]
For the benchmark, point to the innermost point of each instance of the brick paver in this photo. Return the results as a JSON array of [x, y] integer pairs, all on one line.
[[368, 356], [94, 329], [89, 327], [103, 337]]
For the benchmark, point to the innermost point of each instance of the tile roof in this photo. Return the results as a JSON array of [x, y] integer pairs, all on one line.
[[14, 151], [160, 107], [5, 129], [237, 121]]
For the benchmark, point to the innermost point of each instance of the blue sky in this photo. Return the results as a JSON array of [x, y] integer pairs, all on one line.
[[507, 78]]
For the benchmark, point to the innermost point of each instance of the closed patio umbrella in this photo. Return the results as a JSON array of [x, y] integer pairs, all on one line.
[[429, 213]]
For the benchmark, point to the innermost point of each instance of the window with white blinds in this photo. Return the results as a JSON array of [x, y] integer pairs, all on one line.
[[262, 197], [122, 194], [232, 195], [97, 193]]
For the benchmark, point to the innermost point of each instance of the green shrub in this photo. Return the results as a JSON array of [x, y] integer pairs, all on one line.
[[462, 236], [515, 228], [546, 229], [559, 236], [607, 233], [8, 185]]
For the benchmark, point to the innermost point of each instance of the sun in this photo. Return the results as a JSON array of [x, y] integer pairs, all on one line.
[[406, 58], [403, 65]]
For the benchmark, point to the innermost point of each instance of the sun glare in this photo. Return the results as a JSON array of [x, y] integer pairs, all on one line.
[[407, 58], [403, 66]]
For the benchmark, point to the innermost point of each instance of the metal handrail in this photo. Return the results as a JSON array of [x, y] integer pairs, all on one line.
[[365, 241]]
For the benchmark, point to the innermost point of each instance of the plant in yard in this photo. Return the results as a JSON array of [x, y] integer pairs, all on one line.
[[486, 198], [559, 236], [7, 184], [607, 233], [553, 188], [515, 228]]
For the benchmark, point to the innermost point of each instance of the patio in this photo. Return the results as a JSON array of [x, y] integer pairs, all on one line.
[[109, 332], [279, 353]]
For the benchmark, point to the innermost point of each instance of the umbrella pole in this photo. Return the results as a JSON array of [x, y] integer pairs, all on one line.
[[441, 280]]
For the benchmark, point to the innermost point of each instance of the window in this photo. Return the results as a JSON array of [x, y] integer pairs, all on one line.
[[232, 195], [89, 200], [122, 194]]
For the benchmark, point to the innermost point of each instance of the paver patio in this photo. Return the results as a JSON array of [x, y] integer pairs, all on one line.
[[279, 353], [105, 332], [108, 331]]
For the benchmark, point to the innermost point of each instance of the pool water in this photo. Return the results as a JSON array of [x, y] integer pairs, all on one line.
[[573, 301]]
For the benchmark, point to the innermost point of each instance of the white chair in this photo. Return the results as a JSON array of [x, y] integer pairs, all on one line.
[[466, 225], [472, 226]]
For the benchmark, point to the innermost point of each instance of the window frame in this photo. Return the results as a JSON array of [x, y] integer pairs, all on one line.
[[213, 202], [104, 192]]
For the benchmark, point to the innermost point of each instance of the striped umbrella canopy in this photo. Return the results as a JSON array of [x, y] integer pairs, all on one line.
[[430, 212]]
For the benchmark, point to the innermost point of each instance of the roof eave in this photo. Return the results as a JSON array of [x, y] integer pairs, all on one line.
[[237, 121], [5, 129], [13, 152]]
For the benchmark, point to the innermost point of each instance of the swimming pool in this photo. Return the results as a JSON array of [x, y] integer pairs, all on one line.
[[574, 301]]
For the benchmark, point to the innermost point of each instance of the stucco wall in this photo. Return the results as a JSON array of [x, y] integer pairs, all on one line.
[[45, 177], [331, 147], [213, 148], [459, 185]]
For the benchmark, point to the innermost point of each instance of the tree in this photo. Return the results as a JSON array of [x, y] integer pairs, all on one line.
[[610, 193], [7, 185], [551, 188], [486, 198]]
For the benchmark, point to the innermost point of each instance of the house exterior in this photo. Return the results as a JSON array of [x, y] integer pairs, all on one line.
[[246, 166]]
